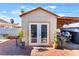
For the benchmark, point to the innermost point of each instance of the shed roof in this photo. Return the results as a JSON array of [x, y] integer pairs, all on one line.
[[37, 9]]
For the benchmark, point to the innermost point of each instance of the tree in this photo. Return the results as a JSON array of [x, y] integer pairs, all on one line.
[[22, 11], [12, 21]]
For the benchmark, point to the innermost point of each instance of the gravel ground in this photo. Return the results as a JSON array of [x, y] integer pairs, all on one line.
[[55, 52], [71, 50]]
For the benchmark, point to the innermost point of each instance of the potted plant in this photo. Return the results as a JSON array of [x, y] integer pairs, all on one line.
[[20, 39], [20, 34], [55, 41]]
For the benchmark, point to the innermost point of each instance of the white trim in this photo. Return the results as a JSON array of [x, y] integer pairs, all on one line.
[[38, 34], [47, 34], [30, 35]]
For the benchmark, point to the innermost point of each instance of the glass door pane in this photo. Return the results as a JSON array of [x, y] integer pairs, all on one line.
[[33, 33], [43, 33]]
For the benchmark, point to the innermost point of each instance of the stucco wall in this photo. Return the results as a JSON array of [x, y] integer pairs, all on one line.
[[39, 16]]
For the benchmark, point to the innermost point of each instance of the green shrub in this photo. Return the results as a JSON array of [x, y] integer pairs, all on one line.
[[55, 35], [20, 34], [55, 39]]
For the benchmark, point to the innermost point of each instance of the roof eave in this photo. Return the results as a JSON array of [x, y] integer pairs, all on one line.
[[36, 9]]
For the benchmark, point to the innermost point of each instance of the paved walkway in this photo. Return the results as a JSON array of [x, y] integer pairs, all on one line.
[[9, 48]]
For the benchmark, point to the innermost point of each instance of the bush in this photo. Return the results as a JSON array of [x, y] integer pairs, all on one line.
[[20, 34], [55, 39], [55, 35]]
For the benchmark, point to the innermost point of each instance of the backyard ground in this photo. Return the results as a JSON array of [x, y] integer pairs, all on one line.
[[55, 52], [8, 47]]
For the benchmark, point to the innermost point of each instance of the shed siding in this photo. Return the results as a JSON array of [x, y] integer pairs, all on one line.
[[39, 16]]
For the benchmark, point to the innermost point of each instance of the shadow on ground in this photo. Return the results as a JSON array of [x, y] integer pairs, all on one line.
[[71, 46]]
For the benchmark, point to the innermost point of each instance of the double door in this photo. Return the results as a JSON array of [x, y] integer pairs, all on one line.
[[38, 33]]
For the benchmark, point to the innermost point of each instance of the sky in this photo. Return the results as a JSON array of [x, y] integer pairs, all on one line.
[[12, 10]]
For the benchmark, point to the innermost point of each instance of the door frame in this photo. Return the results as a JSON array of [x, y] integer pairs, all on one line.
[[38, 41]]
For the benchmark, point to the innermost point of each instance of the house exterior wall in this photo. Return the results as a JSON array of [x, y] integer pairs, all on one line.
[[39, 16]]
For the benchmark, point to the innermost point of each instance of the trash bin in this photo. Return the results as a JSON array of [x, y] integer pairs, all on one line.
[[75, 37]]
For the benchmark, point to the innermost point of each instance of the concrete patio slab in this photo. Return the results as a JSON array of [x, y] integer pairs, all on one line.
[[9, 48]]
